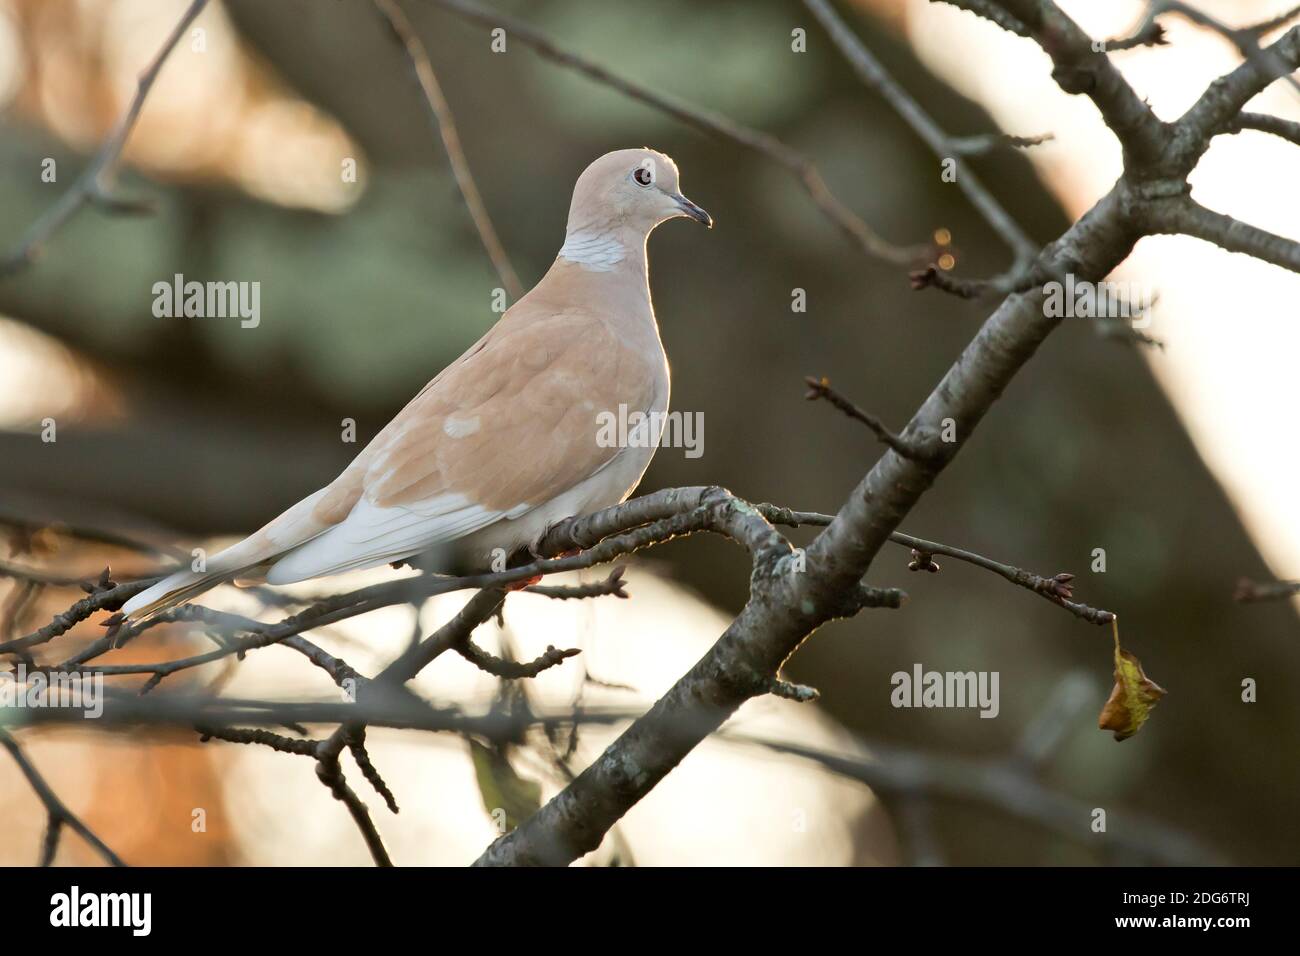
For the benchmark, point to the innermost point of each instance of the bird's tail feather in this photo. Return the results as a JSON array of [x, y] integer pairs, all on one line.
[[172, 590]]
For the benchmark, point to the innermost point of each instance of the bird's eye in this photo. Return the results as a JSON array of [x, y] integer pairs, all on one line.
[[643, 176]]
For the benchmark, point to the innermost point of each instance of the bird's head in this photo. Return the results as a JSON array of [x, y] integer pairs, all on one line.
[[635, 189]]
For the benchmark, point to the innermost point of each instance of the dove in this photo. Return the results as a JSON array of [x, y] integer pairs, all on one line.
[[505, 441]]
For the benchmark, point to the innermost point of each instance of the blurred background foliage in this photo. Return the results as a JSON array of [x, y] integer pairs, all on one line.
[[368, 289]]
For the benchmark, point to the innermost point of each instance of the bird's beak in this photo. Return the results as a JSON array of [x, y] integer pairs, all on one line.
[[689, 208]]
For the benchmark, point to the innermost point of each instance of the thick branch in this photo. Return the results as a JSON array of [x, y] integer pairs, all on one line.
[[785, 605], [840, 556], [1225, 98], [1078, 68], [1284, 128]]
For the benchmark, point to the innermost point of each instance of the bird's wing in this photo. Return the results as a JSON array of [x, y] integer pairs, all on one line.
[[507, 427]]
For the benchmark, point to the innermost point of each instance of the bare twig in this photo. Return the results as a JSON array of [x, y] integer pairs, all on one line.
[[37, 576], [1079, 68], [355, 737], [908, 775], [1245, 39], [60, 816], [1017, 279], [1057, 589], [1225, 98], [800, 693], [513, 670], [94, 185], [613, 584], [821, 388], [988, 142], [444, 123], [799, 165], [256, 735], [1274, 23], [1248, 591], [110, 599], [330, 773], [1149, 34], [992, 11], [873, 74]]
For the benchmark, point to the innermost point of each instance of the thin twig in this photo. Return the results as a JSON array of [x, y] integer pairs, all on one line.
[[1245, 39], [444, 123], [110, 599], [59, 814], [874, 75], [513, 670], [987, 142], [990, 10], [1057, 589], [330, 773], [95, 183], [907, 775], [256, 735], [1017, 279], [1249, 592], [613, 584], [799, 165], [821, 388]]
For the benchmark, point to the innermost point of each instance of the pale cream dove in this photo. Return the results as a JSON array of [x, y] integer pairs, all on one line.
[[507, 440]]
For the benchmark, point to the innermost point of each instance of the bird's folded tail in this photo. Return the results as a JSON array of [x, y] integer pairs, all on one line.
[[172, 590], [248, 559]]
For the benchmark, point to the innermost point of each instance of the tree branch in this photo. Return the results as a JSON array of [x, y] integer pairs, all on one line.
[[791, 594], [1249, 592], [1245, 39], [95, 183], [874, 75], [1284, 128], [990, 10], [907, 775], [821, 388], [1184, 216], [1080, 69], [1225, 98], [60, 816], [444, 123], [1057, 589], [799, 165]]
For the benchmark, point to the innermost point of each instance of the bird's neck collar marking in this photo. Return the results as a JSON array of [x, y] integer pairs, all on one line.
[[594, 250]]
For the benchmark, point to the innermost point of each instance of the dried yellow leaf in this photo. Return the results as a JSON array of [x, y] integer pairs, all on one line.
[[1133, 696]]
